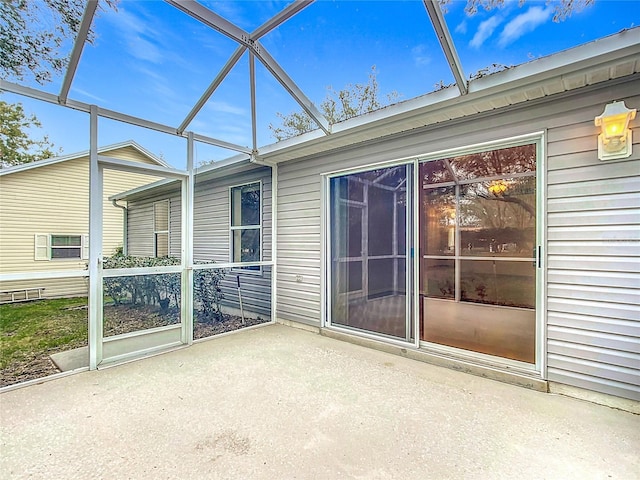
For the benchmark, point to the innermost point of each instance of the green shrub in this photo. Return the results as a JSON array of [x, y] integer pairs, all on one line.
[[163, 290]]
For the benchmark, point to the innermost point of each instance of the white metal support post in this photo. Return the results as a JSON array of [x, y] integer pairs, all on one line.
[[187, 246], [274, 241], [95, 245]]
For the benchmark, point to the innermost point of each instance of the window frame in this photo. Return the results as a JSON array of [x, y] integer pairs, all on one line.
[[232, 228], [43, 247], [157, 232]]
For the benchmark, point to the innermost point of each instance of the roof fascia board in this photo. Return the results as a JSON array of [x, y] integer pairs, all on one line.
[[209, 172], [83, 154], [566, 62], [129, 166], [78, 46], [134, 191], [446, 42]]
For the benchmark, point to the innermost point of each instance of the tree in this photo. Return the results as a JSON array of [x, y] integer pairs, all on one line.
[[32, 33], [351, 101], [562, 9], [16, 145]]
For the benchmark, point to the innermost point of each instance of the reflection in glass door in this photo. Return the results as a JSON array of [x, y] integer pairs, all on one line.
[[369, 250], [478, 256]]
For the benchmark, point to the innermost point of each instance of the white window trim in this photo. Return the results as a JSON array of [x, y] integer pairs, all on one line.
[[233, 228], [42, 247], [167, 231]]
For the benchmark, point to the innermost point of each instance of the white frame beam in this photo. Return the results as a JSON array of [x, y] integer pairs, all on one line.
[[448, 47], [277, 20], [95, 245], [254, 122], [212, 87], [78, 46], [218, 23], [187, 289], [290, 86], [262, 30], [213, 20], [113, 115]]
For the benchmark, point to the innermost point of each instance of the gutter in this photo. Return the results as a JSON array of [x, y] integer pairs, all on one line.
[[125, 222]]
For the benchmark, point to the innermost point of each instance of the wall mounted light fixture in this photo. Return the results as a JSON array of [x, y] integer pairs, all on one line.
[[615, 140]]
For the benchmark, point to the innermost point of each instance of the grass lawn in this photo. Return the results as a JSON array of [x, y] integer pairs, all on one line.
[[31, 331]]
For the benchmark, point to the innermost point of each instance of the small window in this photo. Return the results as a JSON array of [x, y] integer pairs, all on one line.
[[61, 247], [246, 228], [161, 228]]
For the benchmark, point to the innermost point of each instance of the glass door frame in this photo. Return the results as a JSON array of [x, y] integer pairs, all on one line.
[[411, 309], [539, 367], [413, 273]]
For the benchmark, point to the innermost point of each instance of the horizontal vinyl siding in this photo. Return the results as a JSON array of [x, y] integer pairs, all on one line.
[[44, 200], [255, 291], [298, 237], [593, 259], [211, 235], [113, 217], [140, 229], [54, 199], [592, 230]]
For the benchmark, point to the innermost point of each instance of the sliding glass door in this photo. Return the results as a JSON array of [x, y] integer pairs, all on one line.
[[369, 248], [476, 274], [478, 252]]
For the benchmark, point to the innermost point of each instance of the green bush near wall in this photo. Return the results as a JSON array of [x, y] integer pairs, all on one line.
[[164, 290]]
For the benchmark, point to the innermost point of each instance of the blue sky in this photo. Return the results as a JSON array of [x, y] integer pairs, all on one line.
[[151, 60]]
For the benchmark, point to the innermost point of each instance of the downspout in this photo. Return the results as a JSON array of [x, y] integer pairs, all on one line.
[[274, 222], [125, 222]]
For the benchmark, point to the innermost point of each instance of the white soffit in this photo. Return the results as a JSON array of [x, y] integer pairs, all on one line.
[[602, 60]]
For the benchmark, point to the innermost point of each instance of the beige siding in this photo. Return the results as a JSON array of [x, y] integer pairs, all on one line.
[[54, 199], [593, 319]]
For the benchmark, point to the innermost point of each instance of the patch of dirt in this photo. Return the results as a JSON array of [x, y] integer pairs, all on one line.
[[228, 324], [27, 368], [117, 320]]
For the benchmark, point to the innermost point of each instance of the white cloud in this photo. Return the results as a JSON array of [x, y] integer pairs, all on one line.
[[225, 107], [143, 49], [485, 30], [420, 55], [461, 27], [88, 94], [524, 23], [144, 42]]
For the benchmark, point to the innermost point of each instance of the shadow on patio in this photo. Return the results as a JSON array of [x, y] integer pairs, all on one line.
[[277, 402]]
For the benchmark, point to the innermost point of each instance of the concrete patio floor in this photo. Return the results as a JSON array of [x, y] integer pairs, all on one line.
[[279, 403]]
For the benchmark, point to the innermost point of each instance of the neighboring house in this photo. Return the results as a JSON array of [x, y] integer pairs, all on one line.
[[44, 216], [479, 231]]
